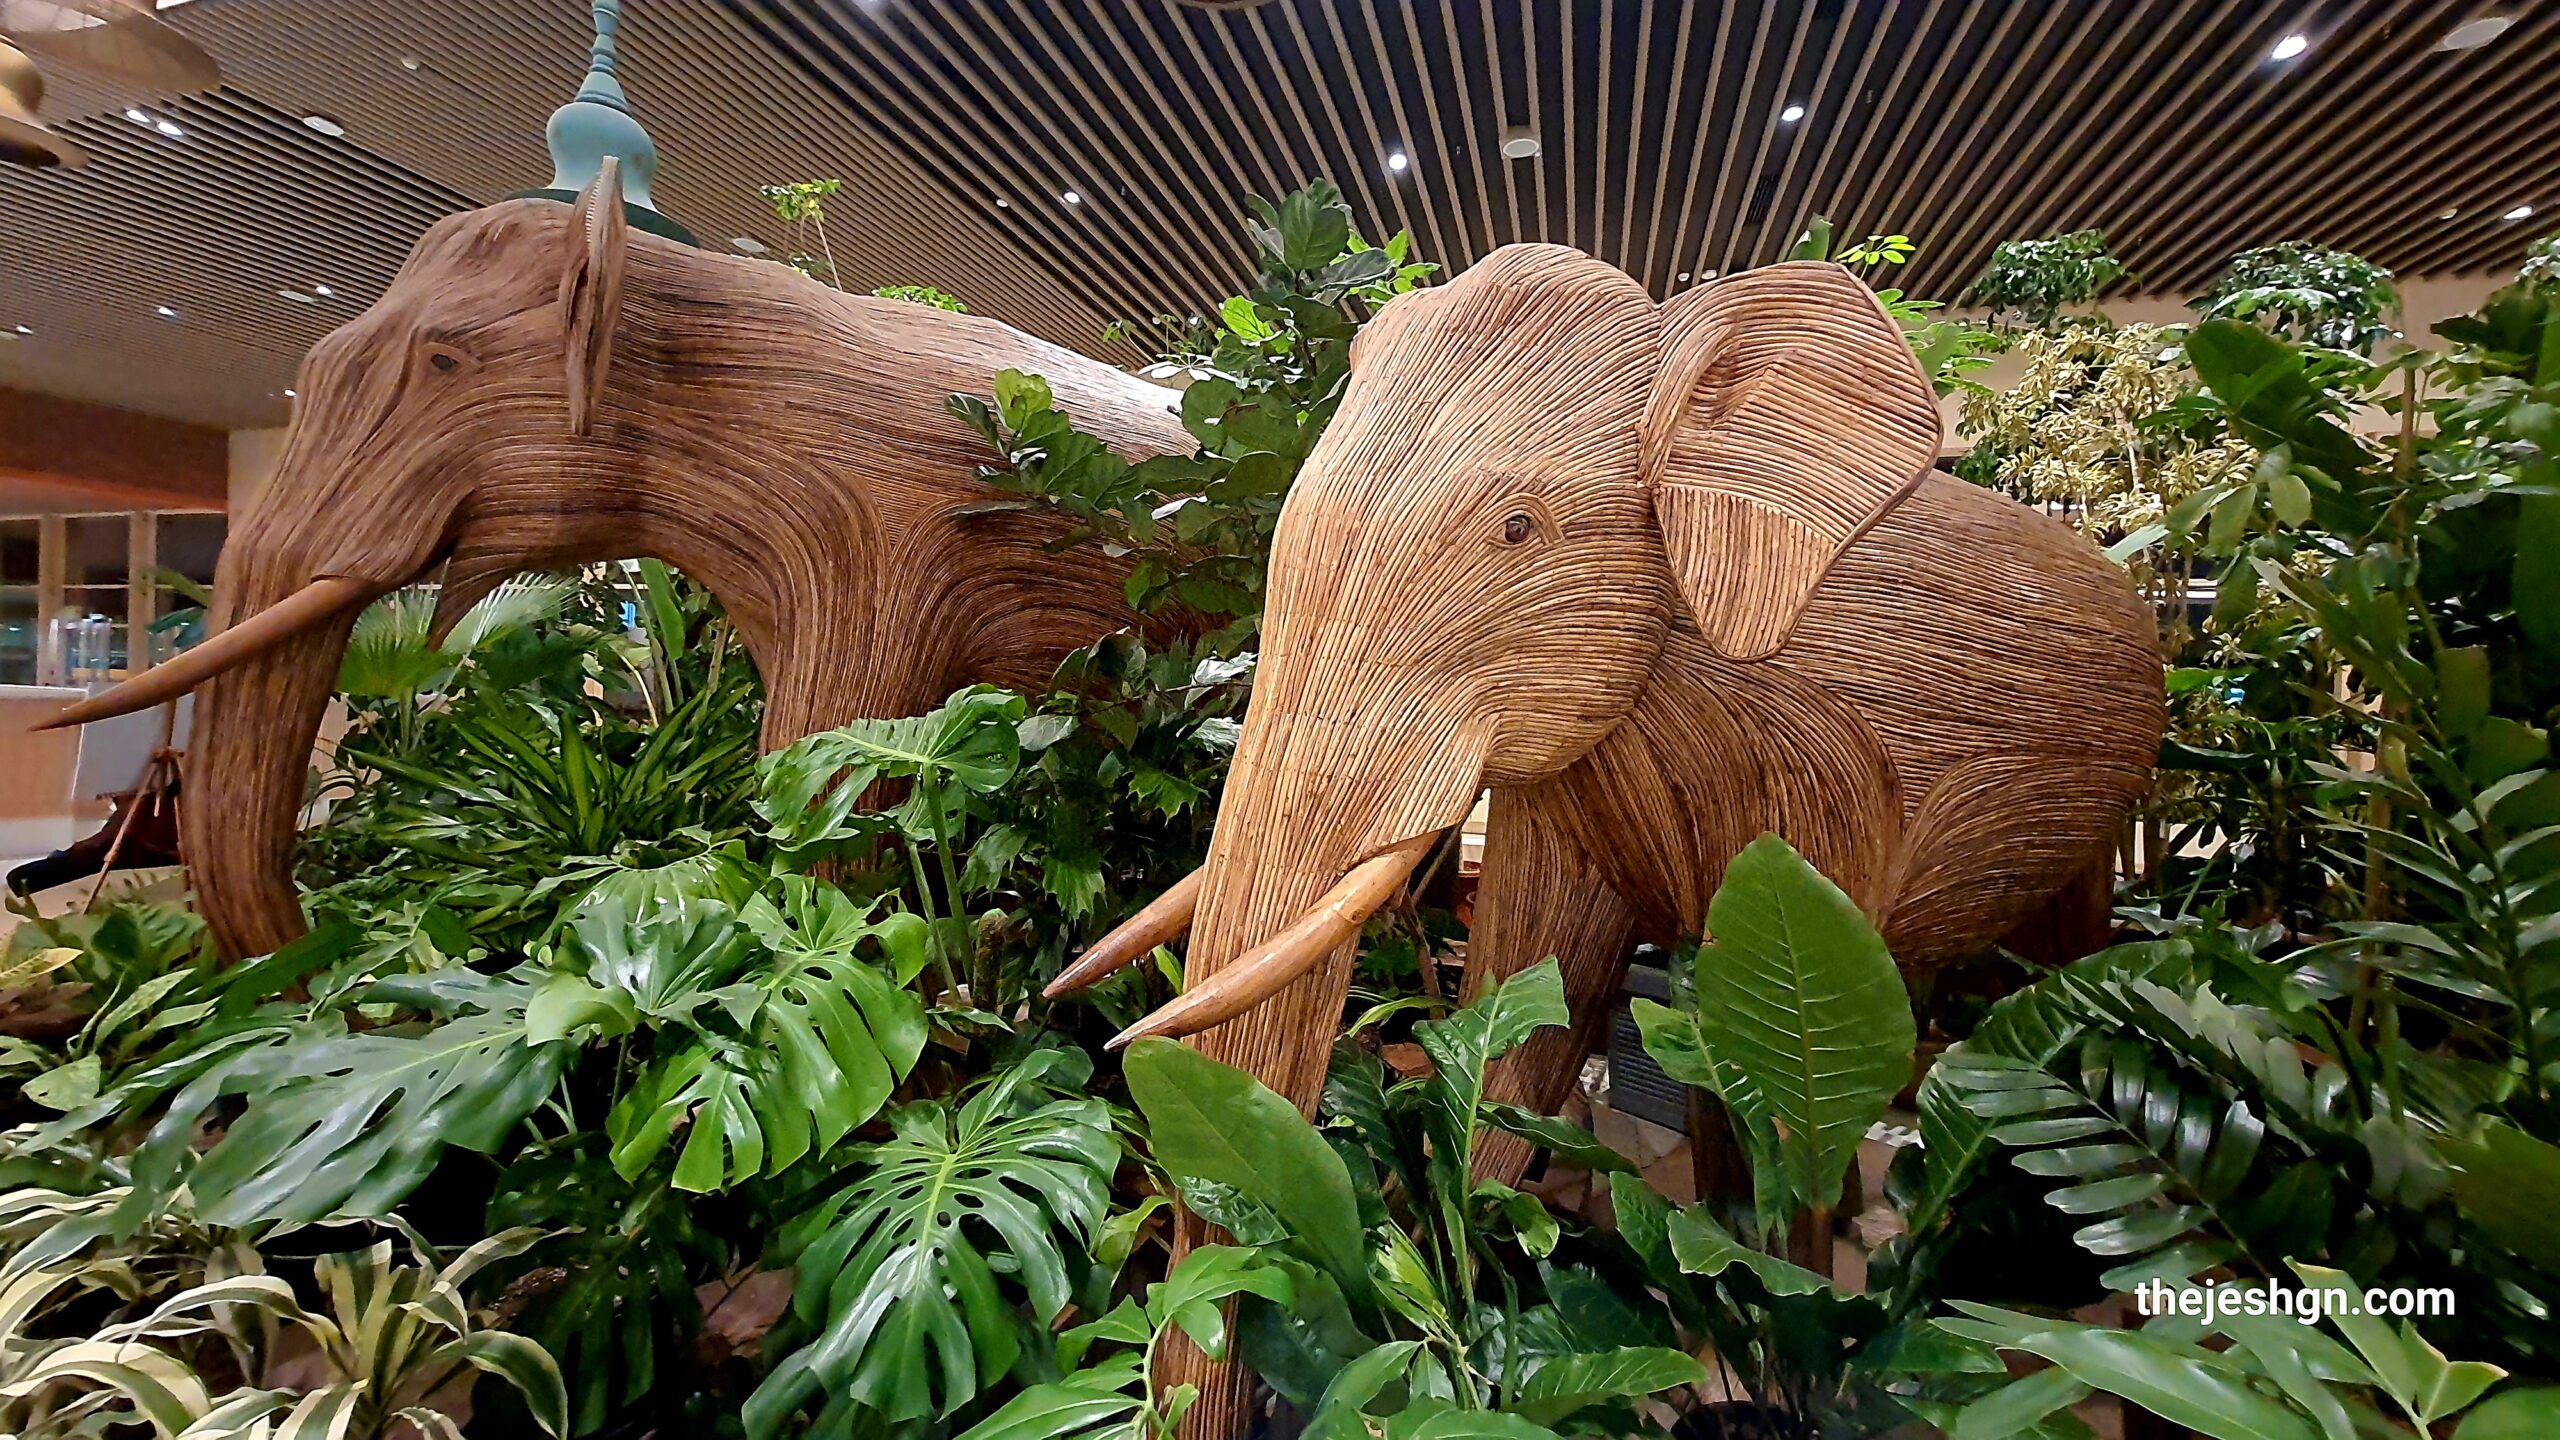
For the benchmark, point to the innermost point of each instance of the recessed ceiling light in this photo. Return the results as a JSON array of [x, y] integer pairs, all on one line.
[[297, 297], [136, 116], [322, 291], [1397, 162], [1070, 197], [325, 125], [410, 62], [1684, 277], [2450, 211], [169, 129], [2289, 47], [746, 244], [288, 394], [167, 314], [1791, 114], [1520, 144], [1706, 274], [2521, 212], [2472, 34], [1003, 204], [23, 330]]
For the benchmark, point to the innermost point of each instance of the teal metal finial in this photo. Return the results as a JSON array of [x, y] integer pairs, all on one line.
[[599, 123]]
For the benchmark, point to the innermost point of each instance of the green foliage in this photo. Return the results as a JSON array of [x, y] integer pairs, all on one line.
[[925, 295], [386, 1337], [2030, 282], [2307, 293], [1266, 374], [1389, 1322], [895, 1277]]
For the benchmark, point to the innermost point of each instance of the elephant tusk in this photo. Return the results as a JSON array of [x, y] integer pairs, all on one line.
[[259, 633], [1325, 928], [1163, 921]]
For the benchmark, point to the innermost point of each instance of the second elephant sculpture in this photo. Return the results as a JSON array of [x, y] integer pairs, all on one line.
[[1662, 578], [539, 388]]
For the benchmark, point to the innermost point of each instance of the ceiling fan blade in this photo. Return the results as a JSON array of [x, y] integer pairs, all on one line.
[[118, 39]]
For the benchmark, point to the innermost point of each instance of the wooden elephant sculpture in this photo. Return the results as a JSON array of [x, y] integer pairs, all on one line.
[[1661, 578], [542, 387]]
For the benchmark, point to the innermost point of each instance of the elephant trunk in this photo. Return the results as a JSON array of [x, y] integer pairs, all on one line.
[[247, 759]]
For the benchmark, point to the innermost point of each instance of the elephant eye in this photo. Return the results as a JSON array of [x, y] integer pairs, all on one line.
[[445, 358], [442, 360], [1518, 528]]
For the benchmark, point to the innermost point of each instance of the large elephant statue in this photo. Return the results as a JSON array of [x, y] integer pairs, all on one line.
[[541, 387], [1661, 578]]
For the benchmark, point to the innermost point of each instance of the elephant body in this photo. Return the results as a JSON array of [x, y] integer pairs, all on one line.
[[540, 388], [1660, 577]]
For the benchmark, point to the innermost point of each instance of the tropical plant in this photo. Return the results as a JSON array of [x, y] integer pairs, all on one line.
[[390, 1339], [925, 295], [1408, 1300], [898, 1284], [2030, 282], [2306, 292]]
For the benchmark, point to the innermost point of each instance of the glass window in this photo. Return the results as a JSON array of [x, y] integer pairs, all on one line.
[[96, 551]]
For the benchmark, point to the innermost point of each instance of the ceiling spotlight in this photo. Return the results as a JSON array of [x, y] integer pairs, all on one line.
[[136, 116], [1071, 197], [1791, 114], [169, 129], [410, 62], [1706, 274], [2521, 212], [2289, 47], [322, 291], [2450, 211], [1397, 162], [1003, 204], [2472, 34], [23, 330], [325, 126], [166, 313], [288, 394], [1684, 277], [1520, 143], [297, 297]]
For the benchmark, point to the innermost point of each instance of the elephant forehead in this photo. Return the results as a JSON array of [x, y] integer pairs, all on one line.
[[1524, 357]]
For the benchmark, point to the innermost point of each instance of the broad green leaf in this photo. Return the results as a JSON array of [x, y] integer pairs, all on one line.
[[912, 1318], [1799, 996], [2508, 1184], [1563, 1384], [2178, 1383], [521, 1363], [345, 1126], [1707, 1248], [1209, 1121], [1194, 1295], [2513, 1414]]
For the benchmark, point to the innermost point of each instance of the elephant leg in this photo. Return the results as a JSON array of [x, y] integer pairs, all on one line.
[[1542, 895]]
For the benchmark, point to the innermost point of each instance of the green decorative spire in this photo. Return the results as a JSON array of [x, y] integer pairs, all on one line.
[[599, 123]]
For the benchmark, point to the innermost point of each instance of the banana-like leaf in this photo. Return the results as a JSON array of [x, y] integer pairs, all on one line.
[[518, 1361], [1214, 1123], [911, 1316], [1563, 1384], [1799, 995], [1462, 1044]]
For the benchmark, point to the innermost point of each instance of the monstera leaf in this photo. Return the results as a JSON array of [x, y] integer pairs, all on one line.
[[895, 1272], [795, 1037], [967, 746], [344, 1126]]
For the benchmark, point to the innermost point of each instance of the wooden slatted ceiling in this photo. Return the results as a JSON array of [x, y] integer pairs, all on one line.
[[958, 125]]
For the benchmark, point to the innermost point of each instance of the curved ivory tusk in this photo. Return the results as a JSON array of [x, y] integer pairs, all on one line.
[[259, 633], [1163, 921], [1325, 928]]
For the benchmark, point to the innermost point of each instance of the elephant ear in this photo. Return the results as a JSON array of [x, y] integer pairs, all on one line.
[[591, 290], [1788, 417]]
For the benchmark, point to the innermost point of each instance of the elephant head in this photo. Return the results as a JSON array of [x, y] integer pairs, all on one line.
[[538, 388], [1566, 543]]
